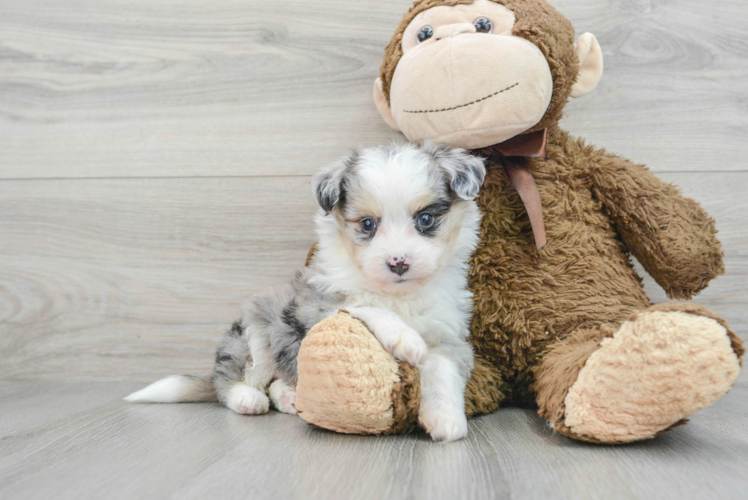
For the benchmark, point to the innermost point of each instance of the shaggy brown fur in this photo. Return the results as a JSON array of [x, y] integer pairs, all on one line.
[[485, 389], [580, 287], [406, 398]]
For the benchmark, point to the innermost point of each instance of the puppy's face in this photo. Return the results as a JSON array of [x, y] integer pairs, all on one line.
[[400, 211]]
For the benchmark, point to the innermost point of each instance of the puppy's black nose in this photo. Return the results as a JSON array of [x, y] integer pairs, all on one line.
[[398, 265]]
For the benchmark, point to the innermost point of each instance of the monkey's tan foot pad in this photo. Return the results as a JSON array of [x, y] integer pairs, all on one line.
[[658, 368]]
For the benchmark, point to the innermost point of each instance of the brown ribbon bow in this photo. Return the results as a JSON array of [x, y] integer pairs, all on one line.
[[513, 156]]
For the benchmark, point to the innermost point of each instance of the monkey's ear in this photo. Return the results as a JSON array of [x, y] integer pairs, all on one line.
[[590, 65], [327, 184], [382, 105]]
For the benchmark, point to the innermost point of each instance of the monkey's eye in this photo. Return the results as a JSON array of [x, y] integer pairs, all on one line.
[[368, 225], [425, 33], [483, 25], [425, 220]]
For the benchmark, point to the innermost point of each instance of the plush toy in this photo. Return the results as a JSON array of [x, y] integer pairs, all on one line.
[[561, 320]]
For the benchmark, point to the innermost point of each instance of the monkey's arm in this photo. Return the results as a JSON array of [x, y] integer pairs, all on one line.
[[672, 236]]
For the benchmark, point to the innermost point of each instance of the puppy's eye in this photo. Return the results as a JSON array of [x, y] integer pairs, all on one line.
[[425, 220], [425, 33], [368, 225], [483, 25]]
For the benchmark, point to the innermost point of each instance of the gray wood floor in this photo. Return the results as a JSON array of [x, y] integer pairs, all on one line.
[[154, 170], [79, 440]]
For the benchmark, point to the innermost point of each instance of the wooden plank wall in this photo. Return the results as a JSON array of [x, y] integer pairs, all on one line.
[[155, 156]]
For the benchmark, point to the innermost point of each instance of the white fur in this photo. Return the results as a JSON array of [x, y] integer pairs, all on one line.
[[442, 410], [175, 389], [260, 373], [283, 396], [247, 400]]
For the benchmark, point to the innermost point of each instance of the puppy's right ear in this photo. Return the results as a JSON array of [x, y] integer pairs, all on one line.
[[328, 183]]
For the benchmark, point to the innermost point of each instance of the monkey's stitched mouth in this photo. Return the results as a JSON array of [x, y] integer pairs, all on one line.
[[461, 105]]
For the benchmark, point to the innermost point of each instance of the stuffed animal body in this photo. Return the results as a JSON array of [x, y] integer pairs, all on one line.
[[561, 320]]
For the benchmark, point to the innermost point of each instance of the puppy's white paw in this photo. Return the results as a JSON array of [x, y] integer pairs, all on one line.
[[283, 397], [247, 400], [407, 344], [444, 426], [287, 403]]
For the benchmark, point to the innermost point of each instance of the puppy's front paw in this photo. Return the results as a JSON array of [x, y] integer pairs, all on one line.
[[407, 344], [443, 425], [247, 400]]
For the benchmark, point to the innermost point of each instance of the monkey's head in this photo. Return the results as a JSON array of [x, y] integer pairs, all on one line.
[[473, 73]]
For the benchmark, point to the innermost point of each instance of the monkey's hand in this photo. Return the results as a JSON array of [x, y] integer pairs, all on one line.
[[349, 383], [672, 236]]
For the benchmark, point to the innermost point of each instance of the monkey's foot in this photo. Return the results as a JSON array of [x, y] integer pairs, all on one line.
[[659, 367]]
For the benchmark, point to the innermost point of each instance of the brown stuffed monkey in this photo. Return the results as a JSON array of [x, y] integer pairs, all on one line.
[[560, 320]]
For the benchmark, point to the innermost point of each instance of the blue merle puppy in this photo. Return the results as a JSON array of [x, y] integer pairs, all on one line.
[[396, 227]]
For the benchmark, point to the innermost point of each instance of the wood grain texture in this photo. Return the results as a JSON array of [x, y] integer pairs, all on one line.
[[104, 278], [131, 279], [81, 441], [118, 88]]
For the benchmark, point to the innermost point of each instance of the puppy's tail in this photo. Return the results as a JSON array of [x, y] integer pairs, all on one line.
[[176, 389]]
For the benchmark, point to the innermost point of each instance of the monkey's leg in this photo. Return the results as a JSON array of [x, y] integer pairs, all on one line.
[[610, 385], [483, 393]]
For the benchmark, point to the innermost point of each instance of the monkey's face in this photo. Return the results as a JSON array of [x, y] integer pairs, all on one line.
[[465, 80]]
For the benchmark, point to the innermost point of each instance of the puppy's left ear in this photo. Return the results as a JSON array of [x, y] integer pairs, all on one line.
[[465, 172], [327, 184]]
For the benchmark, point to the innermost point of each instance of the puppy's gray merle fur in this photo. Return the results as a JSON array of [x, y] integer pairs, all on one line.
[[396, 229]]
